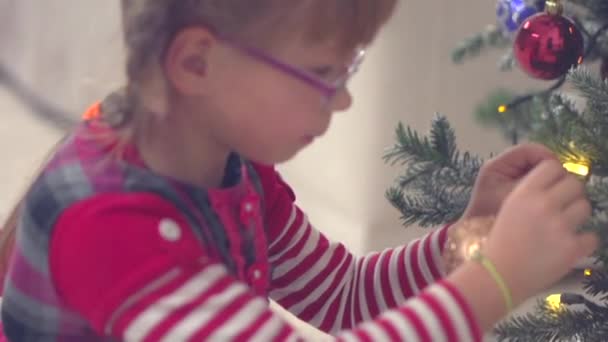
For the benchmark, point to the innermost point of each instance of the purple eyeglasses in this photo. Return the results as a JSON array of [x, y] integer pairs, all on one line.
[[328, 89]]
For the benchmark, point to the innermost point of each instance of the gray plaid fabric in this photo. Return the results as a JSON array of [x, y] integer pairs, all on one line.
[[32, 310]]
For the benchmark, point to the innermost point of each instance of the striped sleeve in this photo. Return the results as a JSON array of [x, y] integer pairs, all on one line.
[[137, 274], [438, 313], [322, 283]]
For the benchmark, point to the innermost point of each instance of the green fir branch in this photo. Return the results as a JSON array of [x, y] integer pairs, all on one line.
[[597, 191], [545, 324], [594, 90], [597, 285], [596, 9], [437, 181], [513, 122], [562, 128], [442, 205], [590, 132], [507, 62], [410, 147], [471, 47], [443, 140], [420, 210]]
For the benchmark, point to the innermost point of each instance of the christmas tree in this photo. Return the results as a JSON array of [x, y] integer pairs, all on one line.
[[556, 41]]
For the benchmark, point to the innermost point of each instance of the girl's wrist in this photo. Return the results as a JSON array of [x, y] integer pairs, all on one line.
[[481, 292]]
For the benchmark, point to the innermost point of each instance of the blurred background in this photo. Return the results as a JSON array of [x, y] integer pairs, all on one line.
[[65, 54]]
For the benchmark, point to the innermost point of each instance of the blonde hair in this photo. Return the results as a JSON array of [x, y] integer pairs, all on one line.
[[150, 25]]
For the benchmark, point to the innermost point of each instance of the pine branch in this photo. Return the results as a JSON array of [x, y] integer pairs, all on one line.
[[597, 190], [598, 9], [410, 148], [597, 285], [595, 35], [437, 181], [507, 62], [562, 128], [460, 173], [416, 174], [514, 123], [474, 45], [443, 139], [591, 129], [425, 210], [545, 324], [594, 90]]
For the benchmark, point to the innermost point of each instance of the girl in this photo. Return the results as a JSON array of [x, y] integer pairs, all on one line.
[[162, 218]]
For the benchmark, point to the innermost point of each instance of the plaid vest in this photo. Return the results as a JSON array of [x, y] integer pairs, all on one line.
[[32, 310]]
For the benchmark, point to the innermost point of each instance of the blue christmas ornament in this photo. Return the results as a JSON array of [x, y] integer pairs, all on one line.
[[512, 13]]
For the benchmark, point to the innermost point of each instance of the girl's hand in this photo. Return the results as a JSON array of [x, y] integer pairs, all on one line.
[[500, 175], [534, 241]]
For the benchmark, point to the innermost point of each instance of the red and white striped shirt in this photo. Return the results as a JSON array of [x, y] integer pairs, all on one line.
[[136, 284]]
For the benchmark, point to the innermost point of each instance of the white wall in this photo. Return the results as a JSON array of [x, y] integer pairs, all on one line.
[[68, 50]]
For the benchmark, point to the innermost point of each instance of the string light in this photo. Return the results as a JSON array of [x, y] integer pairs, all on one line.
[[577, 168], [502, 109], [577, 164], [588, 272], [554, 302]]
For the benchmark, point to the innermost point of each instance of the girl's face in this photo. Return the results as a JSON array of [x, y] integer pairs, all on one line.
[[266, 105]]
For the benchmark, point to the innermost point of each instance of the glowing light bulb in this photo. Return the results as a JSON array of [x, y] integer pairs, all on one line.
[[554, 302], [577, 168], [472, 249]]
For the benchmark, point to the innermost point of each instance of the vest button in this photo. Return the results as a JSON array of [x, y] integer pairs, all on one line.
[[248, 211], [169, 230], [256, 275]]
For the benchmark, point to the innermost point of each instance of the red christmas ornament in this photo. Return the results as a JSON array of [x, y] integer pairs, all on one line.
[[548, 45]]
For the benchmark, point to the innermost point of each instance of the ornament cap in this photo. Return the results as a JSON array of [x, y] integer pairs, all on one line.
[[554, 7]]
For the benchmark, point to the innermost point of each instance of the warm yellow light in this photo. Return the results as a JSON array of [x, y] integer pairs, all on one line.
[[472, 249], [588, 272], [554, 302], [577, 168], [502, 108]]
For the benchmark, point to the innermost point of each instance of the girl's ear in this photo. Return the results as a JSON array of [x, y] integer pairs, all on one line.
[[187, 60]]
